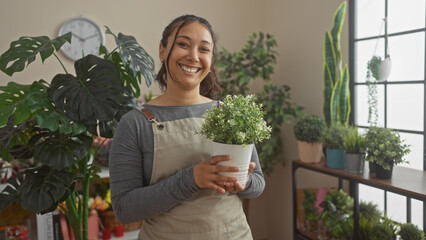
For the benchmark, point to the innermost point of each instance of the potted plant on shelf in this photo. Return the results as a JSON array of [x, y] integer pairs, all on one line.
[[385, 148], [333, 143], [234, 127], [409, 231], [51, 126], [309, 131], [354, 144], [336, 216]]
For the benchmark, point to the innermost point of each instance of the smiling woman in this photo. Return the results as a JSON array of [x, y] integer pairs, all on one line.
[[160, 170]]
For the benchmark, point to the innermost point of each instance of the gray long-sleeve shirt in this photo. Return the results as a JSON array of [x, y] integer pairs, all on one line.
[[131, 161]]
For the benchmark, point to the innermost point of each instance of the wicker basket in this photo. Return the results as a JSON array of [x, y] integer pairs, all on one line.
[[110, 221]]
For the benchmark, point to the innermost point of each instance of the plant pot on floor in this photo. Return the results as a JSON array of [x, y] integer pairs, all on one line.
[[381, 172], [240, 157], [336, 158], [354, 162], [309, 152]]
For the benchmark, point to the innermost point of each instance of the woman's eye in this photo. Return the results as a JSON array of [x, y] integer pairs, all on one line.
[[182, 44], [205, 50]]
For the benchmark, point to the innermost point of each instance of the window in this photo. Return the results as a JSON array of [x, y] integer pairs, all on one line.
[[395, 28]]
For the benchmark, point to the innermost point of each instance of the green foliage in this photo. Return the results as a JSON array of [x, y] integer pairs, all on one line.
[[370, 211], [385, 229], [337, 214], [309, 129], [256, 60], [238, 70], [308, 206], [353, 141], [385, 147], [336, 106], [50, 127], [238, 120], [334, 136], [409, 231], [373, 75]]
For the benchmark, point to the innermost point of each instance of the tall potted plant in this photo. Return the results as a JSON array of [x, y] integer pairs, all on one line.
[[256, 61], [336, 106], [234, 127], [354, 144], [385, 148], [309, 131], [51, 126]]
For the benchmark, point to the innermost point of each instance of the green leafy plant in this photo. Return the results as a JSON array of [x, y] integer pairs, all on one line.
[[337, 215], [373, 75], [385, 147], [353, 141], [51, 126], [409, 231], [333, 136], [309, 129], [238, 70], [336, 106], [369, 217], [310, 210], [238, 120], [384, 229]]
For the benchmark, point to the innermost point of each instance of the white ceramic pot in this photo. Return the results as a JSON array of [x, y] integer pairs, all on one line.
[[385, 69], [310, 152], [240, 157]]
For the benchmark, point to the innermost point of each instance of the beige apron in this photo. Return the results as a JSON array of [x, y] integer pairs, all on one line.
[[207, 214]]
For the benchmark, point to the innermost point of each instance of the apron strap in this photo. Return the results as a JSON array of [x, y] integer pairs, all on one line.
[[151, 118]]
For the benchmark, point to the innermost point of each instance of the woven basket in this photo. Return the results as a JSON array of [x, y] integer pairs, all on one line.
[[110, 221]]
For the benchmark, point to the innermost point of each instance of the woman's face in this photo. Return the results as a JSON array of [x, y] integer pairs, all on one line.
[[191, 57]]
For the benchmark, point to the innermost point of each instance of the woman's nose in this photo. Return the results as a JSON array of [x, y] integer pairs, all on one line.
[[193, 55]]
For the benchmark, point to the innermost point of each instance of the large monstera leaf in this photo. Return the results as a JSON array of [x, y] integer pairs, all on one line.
[[24, 51], [133, 55], [13, 139], [12, 99], [11, 194], [92, 96], [59, 151], [44, 188]]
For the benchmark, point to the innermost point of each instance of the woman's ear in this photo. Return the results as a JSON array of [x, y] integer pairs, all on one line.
[[161, 53]]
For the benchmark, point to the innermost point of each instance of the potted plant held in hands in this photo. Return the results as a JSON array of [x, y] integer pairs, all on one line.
[[309, 131], [234, 127], [354, 144], [333, 143], [385, 148]]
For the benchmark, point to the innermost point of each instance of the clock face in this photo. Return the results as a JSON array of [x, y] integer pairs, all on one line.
[[86, 38]]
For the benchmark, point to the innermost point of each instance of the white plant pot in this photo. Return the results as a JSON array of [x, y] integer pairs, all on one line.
[[240, 157], [310, 152], [385, 69]]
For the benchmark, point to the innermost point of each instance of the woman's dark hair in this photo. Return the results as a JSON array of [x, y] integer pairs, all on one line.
[[209, 87]]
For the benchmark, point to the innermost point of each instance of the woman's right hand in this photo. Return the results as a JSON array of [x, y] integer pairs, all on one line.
[[206, 174]]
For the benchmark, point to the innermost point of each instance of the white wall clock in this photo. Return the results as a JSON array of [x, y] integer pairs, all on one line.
[[87, 36]]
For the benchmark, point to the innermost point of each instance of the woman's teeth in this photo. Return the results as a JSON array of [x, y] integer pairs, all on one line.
[[189, 69]]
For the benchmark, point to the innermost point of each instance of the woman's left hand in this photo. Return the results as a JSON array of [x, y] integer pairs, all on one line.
[[237, 187]]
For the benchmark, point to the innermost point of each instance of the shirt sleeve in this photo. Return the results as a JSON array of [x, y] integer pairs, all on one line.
[[256, 182], [132, 200]]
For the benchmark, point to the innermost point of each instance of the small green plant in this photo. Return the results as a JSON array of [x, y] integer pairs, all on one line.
[[353, 141], [309, 129], [333, 136], [409, 231], [373, 75], [310, 210], [370, 211], [239, 120], [385, 147], [337, 215]]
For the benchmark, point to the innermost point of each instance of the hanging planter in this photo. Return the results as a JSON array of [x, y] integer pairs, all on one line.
[[385, 68]]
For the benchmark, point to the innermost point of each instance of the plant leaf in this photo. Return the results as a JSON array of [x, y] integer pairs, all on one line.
[[344, 105], [44, 187], [140, 62], [13, 99], [91, 97], [24, 51], [11, 194]]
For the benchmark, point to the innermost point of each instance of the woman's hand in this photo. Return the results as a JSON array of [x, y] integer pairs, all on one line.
[[235, 187], [206, 173]]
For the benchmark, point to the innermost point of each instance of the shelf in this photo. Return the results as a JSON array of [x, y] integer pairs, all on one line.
[[130, 235]]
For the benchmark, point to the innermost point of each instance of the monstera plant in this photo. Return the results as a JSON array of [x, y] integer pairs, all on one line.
[[49, 127]]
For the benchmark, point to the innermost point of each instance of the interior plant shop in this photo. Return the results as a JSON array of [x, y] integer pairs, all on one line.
[[339, 86]]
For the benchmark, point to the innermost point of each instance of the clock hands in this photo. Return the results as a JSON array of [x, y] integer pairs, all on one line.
[[95, 35], [79, 38]]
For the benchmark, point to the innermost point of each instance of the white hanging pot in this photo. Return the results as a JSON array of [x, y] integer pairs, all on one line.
[[385, 68]]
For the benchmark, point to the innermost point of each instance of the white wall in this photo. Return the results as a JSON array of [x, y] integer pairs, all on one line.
[[298, 26]]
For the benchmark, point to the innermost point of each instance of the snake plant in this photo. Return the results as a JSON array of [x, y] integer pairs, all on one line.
[[336, 79]]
